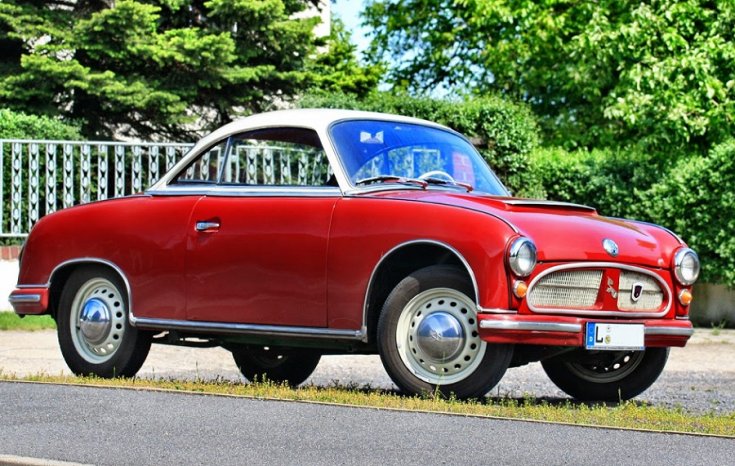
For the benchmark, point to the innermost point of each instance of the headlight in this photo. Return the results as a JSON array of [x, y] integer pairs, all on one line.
[[686, 266], [522, 257]]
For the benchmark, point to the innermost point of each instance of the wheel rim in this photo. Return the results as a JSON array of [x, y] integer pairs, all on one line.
[[615, 368], [97, 320], [437, 336], [268, 358]]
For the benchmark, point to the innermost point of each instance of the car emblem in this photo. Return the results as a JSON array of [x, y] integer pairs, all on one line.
[[636, 291], [610, 246], [611, 289]]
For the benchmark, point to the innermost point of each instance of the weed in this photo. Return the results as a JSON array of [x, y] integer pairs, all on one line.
[[627, 414], [717, 328]]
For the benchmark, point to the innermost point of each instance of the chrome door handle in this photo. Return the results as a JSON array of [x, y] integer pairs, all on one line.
[[207, 226]]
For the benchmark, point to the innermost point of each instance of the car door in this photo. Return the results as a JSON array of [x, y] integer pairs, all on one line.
[[257, 246]]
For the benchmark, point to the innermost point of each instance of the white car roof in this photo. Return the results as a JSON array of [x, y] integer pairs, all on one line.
[[316, 119]]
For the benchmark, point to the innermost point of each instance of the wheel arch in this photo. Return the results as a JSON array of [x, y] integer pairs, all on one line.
[[61, 273], [402, 260]]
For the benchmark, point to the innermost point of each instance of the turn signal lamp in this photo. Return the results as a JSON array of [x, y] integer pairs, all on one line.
[[520, 289], [685, 297]]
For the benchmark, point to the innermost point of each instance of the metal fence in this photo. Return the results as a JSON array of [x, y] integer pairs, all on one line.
[[40, 177]]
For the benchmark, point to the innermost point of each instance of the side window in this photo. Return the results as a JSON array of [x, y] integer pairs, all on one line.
[[277, 157], [205, 168]]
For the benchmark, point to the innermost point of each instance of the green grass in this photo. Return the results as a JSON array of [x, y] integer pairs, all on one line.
[[628, 415], [11, 321]]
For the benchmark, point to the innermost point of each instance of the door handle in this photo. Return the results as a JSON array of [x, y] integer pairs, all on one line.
[[207, 225]]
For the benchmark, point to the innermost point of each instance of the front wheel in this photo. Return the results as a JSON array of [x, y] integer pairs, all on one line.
[[94, 331], [280, 365], [428, 338], [606, 375]]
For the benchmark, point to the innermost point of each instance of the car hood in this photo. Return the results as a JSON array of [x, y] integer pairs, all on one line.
[[562, 231]]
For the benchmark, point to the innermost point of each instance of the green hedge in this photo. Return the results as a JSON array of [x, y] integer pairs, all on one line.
[[612, 181], [16, 125], [507, 130], [696, 198], [692, 195]]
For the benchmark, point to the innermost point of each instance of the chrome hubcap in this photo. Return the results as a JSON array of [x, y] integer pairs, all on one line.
[[94, 321], [437, 336], [98, 320], [440, 336]]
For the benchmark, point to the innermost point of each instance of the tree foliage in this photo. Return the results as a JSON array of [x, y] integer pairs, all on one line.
[[155, 68], [598, 73], [337, 69]]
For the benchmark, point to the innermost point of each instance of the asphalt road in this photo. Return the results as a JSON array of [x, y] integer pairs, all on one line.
[[699, 378], [119, 427]]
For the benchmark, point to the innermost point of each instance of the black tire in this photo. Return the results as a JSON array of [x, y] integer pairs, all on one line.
[[428, 339], [280, 365], [606, 375], [90, 345]]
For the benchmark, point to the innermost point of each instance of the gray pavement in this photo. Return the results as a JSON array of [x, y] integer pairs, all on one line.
[[699, 378], [120, 427]]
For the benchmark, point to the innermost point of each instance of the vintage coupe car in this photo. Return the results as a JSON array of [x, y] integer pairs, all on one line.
[[289, 235]]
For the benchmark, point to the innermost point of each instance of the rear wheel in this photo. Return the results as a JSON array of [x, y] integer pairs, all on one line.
[[94, 330], [281, 365], [428, 338], [606, 375]]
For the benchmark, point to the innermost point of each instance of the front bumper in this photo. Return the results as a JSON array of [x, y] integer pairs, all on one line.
[[570, 331], [29, 300]]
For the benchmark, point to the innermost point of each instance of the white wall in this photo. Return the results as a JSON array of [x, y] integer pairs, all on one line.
[[8, 279]]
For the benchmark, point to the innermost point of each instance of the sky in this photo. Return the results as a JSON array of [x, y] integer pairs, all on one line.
[[349, 12]]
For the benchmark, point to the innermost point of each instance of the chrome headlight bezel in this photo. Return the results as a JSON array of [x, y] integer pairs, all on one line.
[[686, 266], [522, 256]]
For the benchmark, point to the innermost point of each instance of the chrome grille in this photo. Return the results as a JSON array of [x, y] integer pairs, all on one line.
[[575, 289], [650, 299]]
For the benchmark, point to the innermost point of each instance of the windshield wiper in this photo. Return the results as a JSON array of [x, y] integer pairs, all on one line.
[[392, 179], [443, 182]]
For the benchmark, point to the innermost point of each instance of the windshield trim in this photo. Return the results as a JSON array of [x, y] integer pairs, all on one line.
[[353, 188]]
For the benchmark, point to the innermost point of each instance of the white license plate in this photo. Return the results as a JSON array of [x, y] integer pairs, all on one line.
[[614, 337]]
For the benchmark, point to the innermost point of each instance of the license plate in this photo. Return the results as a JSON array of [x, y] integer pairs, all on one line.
[[614, 337]]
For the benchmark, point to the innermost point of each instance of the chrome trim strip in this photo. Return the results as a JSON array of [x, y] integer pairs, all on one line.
[[407, 243], [530, 326], [248, 329], [673, 331], [599, 313], [41, 285], [112, 265], [542, 203], [214, 326], [242, 191], [24, 298], [483, 310]]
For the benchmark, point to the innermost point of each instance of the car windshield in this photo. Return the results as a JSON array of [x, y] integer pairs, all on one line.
[[383, 151]]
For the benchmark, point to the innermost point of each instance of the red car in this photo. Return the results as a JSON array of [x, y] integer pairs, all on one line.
[[288, 235]]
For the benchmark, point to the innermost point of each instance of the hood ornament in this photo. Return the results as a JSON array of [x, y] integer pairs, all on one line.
[[610, 246]]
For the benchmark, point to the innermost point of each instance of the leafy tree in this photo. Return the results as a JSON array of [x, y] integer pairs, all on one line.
[[598, 73], [337, 69], [153, 67]]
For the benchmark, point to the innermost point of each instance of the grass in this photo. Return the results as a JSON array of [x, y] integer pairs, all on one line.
[[11, 321], [717, 328], [628, 415]]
